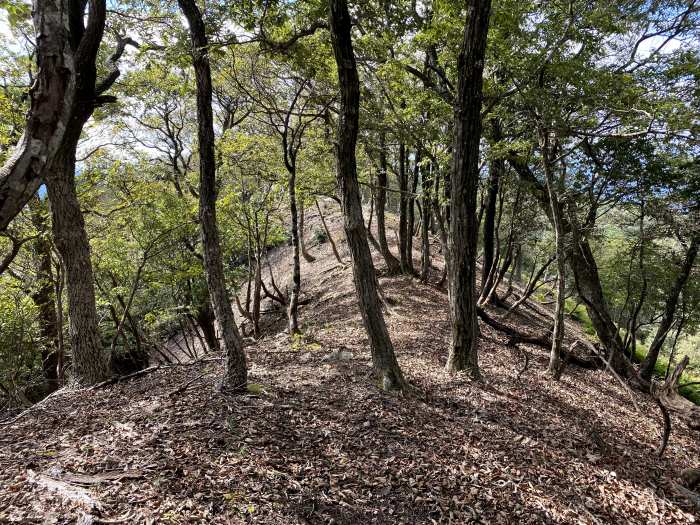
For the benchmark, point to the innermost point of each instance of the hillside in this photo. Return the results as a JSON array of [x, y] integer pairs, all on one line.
[[316, 442]]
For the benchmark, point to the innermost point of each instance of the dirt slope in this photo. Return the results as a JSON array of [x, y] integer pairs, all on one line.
[[319, 443]]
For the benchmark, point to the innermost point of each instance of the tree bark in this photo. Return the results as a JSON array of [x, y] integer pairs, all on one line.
[[649, 362], [425, 223], [464, 187], [383, 358], [91, 363], [392, 263], [306, 255], [403, 210], [496, 169], [235, 379], [293, 307], [204, 315], [64, 88]]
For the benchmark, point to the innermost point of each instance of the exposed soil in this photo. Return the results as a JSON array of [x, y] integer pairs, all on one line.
[[318, 442]]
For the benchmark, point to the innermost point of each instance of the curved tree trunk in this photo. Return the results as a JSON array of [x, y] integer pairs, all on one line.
[[64, 88], [649, 362], [585, 271], [235, 379], [464, 186], [366, 285], [306, 255]]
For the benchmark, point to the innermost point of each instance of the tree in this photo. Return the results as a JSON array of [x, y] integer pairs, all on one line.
[[235, 378], [464, 185], [366, 286]]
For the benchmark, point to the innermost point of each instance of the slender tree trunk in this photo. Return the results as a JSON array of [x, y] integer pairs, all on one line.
[[403, 210], [328, 233], [554, 368], [293, 307], [44, 300], [496, 169], [306, 255], [91, 363], [585, 272], [668, 318], [464, 186], [235, 378], [425, 224], [411, 219], [366, 285], [392, 263]]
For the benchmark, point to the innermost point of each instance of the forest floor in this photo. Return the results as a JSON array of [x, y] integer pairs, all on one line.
[[317, 442]]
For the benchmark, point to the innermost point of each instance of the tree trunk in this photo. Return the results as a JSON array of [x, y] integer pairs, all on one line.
[[91, 363], [204, 316], [584, 269], [403, 210], [392, 263], [366, 285], [411, 219], [647, 368], [44, 299], [235, 379], [328, 233], [425, 224], [63, 91], [306, 255], [293, 307], [554, 368], [496, 169], [464, 186]]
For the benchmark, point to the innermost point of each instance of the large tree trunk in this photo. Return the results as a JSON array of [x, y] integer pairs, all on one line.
[[235, 379], [464, 186], [64, 88], [366, 285], [649, 362], [392, 263], [496, 169], [91, 363]]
